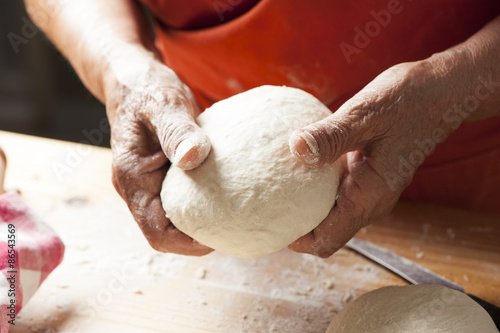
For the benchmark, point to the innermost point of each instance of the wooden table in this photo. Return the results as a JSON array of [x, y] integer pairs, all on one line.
[[112, 281]]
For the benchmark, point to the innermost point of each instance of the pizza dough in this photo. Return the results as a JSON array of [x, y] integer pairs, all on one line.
[[413, 309], [251, 196]]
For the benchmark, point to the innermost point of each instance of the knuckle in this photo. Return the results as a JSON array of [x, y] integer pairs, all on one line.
[[331, 137], [172, 132], [338, 135]]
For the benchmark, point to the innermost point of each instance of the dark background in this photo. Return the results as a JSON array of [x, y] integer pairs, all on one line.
[[40, 93]]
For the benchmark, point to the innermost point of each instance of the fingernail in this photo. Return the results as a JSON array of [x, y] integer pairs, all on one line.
[[191, 152], [305, 147]]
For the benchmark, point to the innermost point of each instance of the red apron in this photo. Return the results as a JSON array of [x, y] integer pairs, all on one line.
[[332, 49]]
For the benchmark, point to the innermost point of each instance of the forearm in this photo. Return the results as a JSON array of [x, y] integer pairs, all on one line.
[[94, 36], [472, 70]]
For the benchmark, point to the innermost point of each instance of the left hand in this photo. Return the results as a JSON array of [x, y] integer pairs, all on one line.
[[381, 135]]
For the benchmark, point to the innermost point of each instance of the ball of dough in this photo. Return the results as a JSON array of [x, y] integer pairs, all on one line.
[[413, 309], [251, 196]]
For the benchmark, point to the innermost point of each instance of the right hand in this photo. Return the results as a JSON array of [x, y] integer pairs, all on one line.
[[151, 114]]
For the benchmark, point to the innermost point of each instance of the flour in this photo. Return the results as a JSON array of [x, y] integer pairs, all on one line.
[[413, 309], [251, 196]]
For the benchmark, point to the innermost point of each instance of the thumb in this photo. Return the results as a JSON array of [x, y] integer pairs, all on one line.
[[183, 141], [327, 140]]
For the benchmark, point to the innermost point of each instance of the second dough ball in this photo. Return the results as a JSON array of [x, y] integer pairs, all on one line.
[[413, 309], [251, 196]]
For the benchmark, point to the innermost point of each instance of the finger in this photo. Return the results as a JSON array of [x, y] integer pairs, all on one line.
[[141, 193], [336, 229], [182, 140], [326, 140], [333, 233], [138, 175], [363, 198], [161, 234]]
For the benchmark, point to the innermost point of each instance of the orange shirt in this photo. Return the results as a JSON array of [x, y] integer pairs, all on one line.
[[197, 14], [332, 48]]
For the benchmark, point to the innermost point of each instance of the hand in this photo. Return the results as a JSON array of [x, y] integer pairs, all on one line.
[[381, 136], [151, 113]]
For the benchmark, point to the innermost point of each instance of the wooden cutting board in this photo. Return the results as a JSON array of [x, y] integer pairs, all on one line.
[[112, 281]]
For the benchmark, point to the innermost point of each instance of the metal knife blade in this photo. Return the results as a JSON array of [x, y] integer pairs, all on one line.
[[403, 267], [413, 272]]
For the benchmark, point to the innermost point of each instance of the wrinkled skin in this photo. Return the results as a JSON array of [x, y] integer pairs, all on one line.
[[110, 46], [149, 119], [370, 134], [152, 122]]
